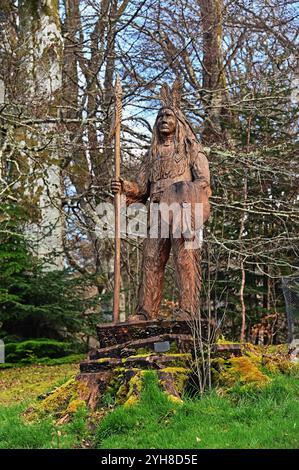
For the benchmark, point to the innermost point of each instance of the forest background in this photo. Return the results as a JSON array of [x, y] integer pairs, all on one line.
[[238, 62]]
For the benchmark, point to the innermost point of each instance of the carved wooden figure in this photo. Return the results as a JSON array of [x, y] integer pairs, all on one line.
[[174, 170]]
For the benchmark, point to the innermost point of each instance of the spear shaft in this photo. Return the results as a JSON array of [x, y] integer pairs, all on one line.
[[118, 109]]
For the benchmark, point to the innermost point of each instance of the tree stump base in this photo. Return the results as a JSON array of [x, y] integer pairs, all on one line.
[[116, 372], [129, 349]]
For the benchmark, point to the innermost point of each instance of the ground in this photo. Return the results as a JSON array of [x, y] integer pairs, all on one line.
[[23, 383], [243, 418]]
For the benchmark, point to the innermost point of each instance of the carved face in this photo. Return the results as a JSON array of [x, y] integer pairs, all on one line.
[[166, 121]]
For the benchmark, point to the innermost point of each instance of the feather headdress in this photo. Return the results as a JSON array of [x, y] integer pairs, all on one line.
[[171, 97]]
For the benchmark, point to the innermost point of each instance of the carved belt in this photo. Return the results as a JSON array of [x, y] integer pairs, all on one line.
[[161, 185]]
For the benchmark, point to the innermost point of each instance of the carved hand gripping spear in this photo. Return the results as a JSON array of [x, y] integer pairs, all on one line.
[[118, 115]]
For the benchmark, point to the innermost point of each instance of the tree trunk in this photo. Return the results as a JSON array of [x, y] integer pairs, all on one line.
[[42, 50], [213, 80]]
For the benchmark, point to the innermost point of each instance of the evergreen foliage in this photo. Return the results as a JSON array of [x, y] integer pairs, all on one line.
[[35, 302]]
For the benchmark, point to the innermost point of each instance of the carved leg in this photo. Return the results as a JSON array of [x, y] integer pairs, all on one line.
[[188, 274], [155, 256]]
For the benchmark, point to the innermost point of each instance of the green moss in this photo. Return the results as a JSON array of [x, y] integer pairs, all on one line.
[[278, 349], [222, 340], [135, 388], [174, 370], [115, 384], [181, 355], [217, 362], [121, 393], [103, 359], [143, 352], [241, 370], [66, 398], [138, 356], [180, 359], [55, 403], [175, 399], [173, 381], [29, 382], [273, 358], [132, 400], [74, 405], [173, 348], [283, 365]]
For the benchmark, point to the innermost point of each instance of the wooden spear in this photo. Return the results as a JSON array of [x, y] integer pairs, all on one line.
[[118, 112]]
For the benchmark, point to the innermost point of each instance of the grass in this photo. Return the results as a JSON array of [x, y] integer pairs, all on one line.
[[44, 434], [18, 387], [266, 418]]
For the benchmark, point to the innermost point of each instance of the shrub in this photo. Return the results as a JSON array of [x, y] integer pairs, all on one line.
[[26, 351]]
